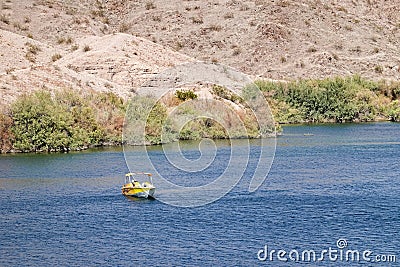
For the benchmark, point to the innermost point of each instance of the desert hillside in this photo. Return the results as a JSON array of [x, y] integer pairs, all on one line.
[[114, 45], [277, 39], [41, 48]]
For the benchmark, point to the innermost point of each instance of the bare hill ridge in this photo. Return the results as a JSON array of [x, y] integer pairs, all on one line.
[[117, 62], [78, 44]]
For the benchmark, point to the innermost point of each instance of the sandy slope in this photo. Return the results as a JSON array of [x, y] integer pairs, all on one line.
[[117, 62]]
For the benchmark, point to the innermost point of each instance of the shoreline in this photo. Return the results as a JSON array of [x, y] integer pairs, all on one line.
[[121, 144]]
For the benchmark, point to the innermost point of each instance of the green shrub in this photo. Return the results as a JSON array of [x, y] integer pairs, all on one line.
[[156, 120], [394, 111], [62, 122], [109, 111], [202, 128], [225, 93], [32, 48], [6, 136], [146, 121], [378, 69], [185, 95], [150, 5], [86, 48], [5, 19], [56, 57], [124, 27]]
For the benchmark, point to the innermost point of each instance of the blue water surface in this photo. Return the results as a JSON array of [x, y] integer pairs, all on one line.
[[327, 182]]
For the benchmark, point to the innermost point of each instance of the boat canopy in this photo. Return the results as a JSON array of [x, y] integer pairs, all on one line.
[[138, 173], [130, 177]]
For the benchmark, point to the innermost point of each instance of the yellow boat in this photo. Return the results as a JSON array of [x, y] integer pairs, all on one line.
[[133, 188]]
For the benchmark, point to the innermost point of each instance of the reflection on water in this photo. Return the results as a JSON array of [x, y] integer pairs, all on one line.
[[340, 182]]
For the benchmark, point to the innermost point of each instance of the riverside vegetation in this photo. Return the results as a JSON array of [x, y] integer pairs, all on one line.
[[61, 121], [64, 120], [175, 117], [340, 99]]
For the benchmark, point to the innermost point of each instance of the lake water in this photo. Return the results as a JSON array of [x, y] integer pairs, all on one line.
[[327, 183]]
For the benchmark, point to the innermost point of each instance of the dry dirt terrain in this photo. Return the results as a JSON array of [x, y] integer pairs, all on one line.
[[110, 45]]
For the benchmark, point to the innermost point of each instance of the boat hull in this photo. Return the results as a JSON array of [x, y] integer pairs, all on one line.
[[140, 192]]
